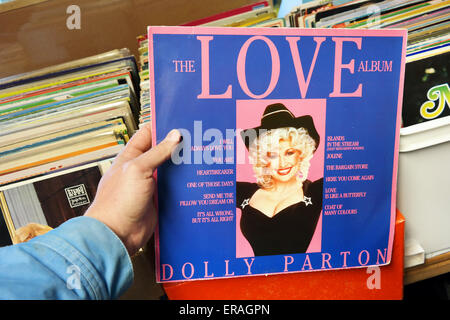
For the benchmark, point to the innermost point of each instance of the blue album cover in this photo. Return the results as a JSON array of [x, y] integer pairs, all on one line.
[[288, 161]]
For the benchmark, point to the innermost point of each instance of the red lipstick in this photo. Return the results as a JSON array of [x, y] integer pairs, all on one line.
[[285, 171]]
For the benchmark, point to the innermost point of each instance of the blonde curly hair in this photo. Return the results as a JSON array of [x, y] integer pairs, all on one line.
[[268, 140]]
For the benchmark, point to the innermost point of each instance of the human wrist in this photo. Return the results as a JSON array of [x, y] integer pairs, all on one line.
[[108, 221]]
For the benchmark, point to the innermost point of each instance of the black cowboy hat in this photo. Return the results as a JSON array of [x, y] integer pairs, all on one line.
[[278, 116]]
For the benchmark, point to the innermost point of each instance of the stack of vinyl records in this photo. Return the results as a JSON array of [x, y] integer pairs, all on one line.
[[428, 46], [60, 128], [145, 115], [259, 14], [427, 21]]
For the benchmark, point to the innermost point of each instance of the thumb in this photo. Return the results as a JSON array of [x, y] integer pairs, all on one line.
[[154, 157]]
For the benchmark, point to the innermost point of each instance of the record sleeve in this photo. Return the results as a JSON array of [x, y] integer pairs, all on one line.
[[288, 161], [427, 92]]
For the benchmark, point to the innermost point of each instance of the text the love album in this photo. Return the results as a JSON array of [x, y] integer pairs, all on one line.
[[288, 161]]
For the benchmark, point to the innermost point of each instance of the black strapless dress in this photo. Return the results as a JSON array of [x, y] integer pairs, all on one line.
[[290, 230]]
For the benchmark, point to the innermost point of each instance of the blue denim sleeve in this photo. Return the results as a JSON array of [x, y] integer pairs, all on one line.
[[81, 259]]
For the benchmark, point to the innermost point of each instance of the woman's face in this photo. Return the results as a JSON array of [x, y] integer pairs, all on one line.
[[284, 161]]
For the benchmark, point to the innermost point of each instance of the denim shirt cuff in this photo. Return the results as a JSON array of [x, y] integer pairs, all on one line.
[[96, 254]]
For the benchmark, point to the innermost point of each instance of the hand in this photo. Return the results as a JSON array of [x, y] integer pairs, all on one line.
[[124, 199]]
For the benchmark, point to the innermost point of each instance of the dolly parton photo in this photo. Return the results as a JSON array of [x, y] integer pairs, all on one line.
[[281, 204]]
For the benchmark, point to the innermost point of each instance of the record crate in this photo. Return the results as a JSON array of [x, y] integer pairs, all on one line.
[[424, 184]]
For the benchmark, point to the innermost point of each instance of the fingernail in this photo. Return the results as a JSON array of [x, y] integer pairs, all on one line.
[[174, 135]]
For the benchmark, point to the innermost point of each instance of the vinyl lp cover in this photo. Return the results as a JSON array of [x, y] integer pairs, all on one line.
[[288, 161], [427, 91], [52, 201]]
